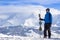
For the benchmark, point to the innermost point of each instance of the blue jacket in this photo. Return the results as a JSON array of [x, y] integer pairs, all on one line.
[[48, 18]]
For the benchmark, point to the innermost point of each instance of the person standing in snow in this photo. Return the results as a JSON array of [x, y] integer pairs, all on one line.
[[48, 22]]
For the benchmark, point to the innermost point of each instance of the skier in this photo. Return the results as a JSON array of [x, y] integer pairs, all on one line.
[[48, 22]]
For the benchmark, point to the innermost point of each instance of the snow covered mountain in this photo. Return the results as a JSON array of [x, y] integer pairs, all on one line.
[[23, 21], [16, 15], [56, 20]]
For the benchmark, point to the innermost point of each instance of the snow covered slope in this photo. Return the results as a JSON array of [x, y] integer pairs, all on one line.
[[27, 33]]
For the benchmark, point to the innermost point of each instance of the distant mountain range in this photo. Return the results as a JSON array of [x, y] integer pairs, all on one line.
[[56, 19], [26, 15]]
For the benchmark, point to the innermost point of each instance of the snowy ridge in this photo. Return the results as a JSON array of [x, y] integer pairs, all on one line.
[[25, 33]]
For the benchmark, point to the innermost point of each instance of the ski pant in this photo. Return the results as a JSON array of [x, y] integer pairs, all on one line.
[[47, 27]]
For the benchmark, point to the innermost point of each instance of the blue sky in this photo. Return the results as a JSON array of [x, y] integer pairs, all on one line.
[[47, 3], [55, 5]]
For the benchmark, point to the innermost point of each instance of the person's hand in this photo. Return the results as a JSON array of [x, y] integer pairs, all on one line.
[[39, 18]]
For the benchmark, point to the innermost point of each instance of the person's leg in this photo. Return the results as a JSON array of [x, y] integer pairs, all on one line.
[[45, 30], [49, 31]]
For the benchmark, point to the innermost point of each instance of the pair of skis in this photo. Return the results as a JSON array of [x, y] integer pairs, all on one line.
[[40, 28]]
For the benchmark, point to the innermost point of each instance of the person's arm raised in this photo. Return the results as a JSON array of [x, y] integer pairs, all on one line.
[[40, 17]]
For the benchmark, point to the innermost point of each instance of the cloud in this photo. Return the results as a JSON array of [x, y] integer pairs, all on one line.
[[4, 16], [26, 10]]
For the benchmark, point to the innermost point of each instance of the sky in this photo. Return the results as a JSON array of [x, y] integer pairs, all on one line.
[[47, 3]]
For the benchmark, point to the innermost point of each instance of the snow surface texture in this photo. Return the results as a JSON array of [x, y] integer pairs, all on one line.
[[26, 33], [22, 23]]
